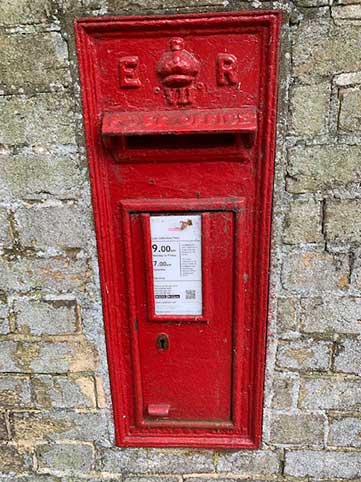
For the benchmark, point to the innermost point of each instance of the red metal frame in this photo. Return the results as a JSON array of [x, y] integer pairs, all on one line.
[[236, 177]]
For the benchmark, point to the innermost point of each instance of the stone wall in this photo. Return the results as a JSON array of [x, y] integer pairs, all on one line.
[[55, 408]]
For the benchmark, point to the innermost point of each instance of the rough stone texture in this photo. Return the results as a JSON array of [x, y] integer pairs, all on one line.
[[330, 393], [13, 460], [323, 464], [46, 357], [35, 121], [284, 388], [41, 317], [310, 106], [15, 392], [5, 233], [19, 72], [345, 432], [24, 12], [321, 50], [315, 272], [346, 12], [86, 426], [56, 274], [350, 117], [255, 463], [66, 457], [356, 269], [34, 478], [4, 434], [342, 221], [64, 392], [331, 315], [303, 222], [133, 478], [157, 461], [287, 314], [298, 429], [348, 355], [44, 226], [323, 168], [56, 421], [39, 173], [309, 354], [115, 5]]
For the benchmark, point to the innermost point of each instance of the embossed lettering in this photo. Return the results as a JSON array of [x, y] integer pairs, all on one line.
[[226, 69], [128, 71]]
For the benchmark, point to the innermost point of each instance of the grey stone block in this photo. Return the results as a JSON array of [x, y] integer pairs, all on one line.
[[114, 6], [346, 13], [46, 356], [33, 62], [310, 105], [284, 387], [345, 432], [5, 233], [153, 461], [13, 460], [64, 391], [34, 121], [320, 50], [330, 393], [350, 117], [31, 478], [250, 463], [303, 222], [39, 173], [4, 435], [315, 272], [45, 226], [298, 429], [342, 221], [323, 168], [140, 478], [306, 354], [15, 12], [356, 270], [38, 317], [348, 356], [4, 317], [287, 314], [15, 392], [56, 274], [331, 464], [331, 315], [59, 425], [66, 457]]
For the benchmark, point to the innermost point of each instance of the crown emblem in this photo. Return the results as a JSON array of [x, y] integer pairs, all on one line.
[[177, 69]]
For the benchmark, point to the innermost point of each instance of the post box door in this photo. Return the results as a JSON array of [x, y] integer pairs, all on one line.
[[185, 353]]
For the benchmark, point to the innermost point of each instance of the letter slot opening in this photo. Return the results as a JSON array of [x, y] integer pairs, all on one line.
[[176, 141], [171, 135]]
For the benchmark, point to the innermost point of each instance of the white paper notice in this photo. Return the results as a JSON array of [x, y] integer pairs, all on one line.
[[177, 264]]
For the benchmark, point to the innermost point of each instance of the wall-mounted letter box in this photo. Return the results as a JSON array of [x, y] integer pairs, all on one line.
[[179, 116]]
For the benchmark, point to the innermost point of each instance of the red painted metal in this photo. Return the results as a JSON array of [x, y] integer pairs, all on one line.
[[179, 115]]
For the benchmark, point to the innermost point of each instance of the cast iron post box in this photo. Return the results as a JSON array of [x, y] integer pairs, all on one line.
[[179, 116]]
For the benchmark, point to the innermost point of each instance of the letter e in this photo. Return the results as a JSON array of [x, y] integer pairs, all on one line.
[[128, 71]]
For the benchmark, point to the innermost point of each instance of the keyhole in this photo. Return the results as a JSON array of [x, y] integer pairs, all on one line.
[[162, 342]]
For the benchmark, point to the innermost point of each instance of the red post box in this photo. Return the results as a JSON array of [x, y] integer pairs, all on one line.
[[179, 116]]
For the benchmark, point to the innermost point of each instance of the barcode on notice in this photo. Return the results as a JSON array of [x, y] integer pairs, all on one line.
[[190, 294]]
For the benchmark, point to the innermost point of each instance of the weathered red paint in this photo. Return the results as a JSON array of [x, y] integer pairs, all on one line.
[[179, 115]]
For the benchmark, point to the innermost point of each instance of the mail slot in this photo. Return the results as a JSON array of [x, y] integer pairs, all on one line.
[[179, 116]]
